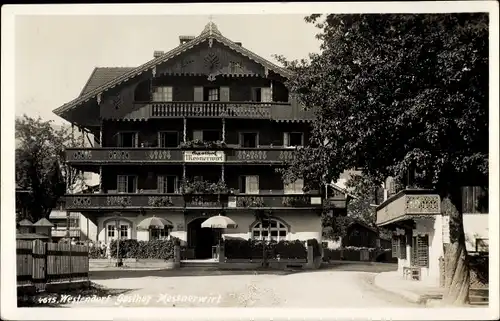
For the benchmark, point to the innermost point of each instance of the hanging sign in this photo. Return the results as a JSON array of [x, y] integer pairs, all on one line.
[[446, 229], [204, 156]]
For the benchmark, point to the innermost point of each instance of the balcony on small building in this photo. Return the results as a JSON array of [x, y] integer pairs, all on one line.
[[408, 204]]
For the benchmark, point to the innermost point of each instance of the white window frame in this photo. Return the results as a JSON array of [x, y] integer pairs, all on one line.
[[160, 133], [294, 188], [110, 228], [247, 183], [124, 228], [163, 178], [211, 95], [163, 93], [118, 177], [241, 138], [286, 140], [163, 234], [280, 226]]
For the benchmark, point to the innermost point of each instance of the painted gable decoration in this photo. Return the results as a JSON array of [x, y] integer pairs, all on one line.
[[223, 56]]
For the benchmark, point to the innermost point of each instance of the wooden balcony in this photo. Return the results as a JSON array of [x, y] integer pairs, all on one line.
[[209, 109], [408, 204], [148, 155], [134, 202], [61, 232]]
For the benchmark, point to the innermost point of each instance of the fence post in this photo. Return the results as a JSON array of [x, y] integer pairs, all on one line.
[[310, 256], [70, 263]]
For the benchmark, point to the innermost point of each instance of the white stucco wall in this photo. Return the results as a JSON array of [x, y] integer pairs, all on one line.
[[302, 225], [475, 226], [88, 229]]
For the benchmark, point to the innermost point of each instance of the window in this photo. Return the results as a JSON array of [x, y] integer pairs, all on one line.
[[420, 251], [167, 184], [168, 139], [123, 231], [211, 94], [277, 229], [162, 94], [293, 139], [295, 187], [211, 135], [257, 94], [127, 139], [399, 246], [482, 245], [111, 231], [474, 200], [127, 184], [249, 185], [263, 94], [249, 140], [158, 234]]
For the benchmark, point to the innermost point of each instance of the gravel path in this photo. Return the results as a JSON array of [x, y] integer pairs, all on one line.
[[317, 289]]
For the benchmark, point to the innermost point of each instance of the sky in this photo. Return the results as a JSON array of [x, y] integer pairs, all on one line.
[[55, 55]]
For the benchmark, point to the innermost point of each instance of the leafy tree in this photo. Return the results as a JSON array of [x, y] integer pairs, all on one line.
[[401, 95], [40, 166]]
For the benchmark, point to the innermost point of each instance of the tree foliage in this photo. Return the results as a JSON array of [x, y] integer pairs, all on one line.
[[398, 95], [40, 166]]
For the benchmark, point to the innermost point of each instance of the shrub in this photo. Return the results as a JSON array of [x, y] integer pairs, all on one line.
[[479, 272], [156, 249], [96, 252], [290, 250]]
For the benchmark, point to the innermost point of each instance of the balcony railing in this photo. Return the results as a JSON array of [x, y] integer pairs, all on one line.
[[123, 202], [230, 109], [148, 155], [408, 204]]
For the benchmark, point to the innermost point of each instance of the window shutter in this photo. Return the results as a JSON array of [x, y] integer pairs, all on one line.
[[136, 135], [286, 139], [266, 94], [423, 251], [224, 93], [395, 246], [252, 184], [161, 184], [122, 184], [299, 185], [197, 135], [402, 247], [198, 93]]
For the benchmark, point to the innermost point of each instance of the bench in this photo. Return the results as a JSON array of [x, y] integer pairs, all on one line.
[[411, 272]]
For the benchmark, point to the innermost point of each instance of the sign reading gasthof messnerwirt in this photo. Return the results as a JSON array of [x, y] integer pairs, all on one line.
[[204, 156]]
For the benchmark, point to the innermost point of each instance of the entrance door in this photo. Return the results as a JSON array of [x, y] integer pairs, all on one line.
[[200, 239]]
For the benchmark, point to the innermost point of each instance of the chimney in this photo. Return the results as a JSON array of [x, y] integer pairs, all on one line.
[[238, 43], [185, 39], [158, 53]]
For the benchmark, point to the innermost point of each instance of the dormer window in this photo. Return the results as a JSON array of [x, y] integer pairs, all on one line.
[[161, 94]]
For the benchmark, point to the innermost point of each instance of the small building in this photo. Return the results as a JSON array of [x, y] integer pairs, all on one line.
[[420, 230], [25, 226], [43, 227]]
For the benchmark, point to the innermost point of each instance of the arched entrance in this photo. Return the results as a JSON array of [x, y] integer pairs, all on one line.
[[201, 239]]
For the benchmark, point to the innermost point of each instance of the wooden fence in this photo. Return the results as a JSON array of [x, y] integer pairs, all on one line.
[[39, 263]]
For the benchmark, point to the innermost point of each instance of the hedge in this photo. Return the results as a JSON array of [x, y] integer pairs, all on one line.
[[479, 271], [352, 253], [252, 249], [155, 249]]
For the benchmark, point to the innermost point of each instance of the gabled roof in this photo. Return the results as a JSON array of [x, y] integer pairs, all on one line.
[[210, 32], [102, 75], [43, 222], [25, 222]]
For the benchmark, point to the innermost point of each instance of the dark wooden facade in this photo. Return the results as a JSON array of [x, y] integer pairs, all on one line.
[[208, 110]]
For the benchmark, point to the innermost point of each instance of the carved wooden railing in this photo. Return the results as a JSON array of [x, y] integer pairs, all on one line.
[[274, 201], [407, 203], [230, 109], [82, 202], [113, 155]]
